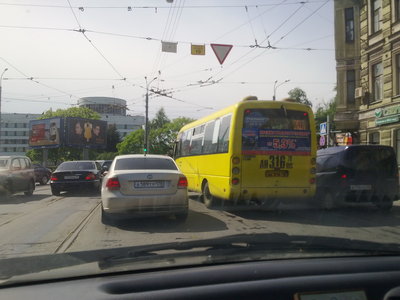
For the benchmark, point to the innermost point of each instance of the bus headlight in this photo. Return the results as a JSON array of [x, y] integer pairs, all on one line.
[[236, 160], [235, 170], [235, 181]]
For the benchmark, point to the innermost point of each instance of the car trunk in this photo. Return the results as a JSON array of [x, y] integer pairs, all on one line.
[[153, 182]]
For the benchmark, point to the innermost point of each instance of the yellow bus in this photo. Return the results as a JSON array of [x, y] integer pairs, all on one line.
[[253, 151]]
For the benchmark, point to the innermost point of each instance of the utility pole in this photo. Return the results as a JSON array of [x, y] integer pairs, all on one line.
[[1, 79], [146, 131], [276, 87]]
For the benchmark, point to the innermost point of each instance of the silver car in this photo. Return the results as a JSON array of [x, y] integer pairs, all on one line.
[[144, 185]]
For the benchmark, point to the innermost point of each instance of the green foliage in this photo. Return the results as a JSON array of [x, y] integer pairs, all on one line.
[[162, 136], [300, 96], [159, 120], [113, 139], [323, 110], [106, 156], [80, 112], [132, 143]]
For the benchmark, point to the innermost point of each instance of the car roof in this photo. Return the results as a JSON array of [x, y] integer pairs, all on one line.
[[337, 149], [143, 156]]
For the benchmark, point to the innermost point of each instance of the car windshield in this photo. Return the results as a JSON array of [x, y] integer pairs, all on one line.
[[76, 165], [165, 124], [144, 163]]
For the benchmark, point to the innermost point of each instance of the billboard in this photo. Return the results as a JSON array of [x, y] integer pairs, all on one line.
[[85, 133], [46, 133]]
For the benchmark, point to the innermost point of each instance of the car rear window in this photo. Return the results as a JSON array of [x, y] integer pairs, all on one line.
[[144, 163], [379, 159], [76, 165]]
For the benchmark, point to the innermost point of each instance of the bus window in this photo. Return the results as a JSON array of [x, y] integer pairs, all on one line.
[[223, 137], [209, 145], [276, 119]]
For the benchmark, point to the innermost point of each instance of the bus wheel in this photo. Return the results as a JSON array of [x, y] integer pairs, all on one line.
[[209, 200]]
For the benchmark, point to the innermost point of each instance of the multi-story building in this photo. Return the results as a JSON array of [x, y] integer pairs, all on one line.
[[15, 133], [15, 126], [367, 37], [113, 110]]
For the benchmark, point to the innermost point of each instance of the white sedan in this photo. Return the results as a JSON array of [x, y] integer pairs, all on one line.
[[144, 185]]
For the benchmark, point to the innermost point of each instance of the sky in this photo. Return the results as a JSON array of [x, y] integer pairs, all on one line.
[[58, 51]]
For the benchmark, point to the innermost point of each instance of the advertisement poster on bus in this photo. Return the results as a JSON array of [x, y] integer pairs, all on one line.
[[276, 142], [86, 133], [46, 133]]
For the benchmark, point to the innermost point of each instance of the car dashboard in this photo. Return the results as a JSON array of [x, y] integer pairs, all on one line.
[[346, 278]]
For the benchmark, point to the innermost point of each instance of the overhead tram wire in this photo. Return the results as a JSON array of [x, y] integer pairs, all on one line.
[[81, 30], [125, 7], [36, 81]]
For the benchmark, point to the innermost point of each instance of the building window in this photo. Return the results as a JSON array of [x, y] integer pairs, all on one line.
[[397, 10], [349, 24], [374, 138], [377, 81], [351, 86], [376, 15]]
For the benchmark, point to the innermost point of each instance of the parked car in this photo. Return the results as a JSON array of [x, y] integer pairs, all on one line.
[[16, 175], [144, 185], [357, 174], [42, 174], [75, 175]]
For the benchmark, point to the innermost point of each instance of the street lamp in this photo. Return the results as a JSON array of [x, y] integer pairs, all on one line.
[[276, 86], [1, 78], [146, 130]]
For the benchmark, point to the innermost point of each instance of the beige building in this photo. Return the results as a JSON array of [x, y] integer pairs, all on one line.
[[367, 39]]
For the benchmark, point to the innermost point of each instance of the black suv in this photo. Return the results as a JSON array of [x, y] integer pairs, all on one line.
[[357, 174], [42, 174], [16, 175]]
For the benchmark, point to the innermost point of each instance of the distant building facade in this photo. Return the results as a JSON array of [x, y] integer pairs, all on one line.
[[15, 133], [113, 110], [15, 126], [367, 39]]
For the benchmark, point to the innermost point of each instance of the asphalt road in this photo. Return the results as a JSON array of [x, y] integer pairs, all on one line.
[[46, 224]]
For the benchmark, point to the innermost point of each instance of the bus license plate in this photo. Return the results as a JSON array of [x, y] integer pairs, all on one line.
[[148, 184], [276, 173]]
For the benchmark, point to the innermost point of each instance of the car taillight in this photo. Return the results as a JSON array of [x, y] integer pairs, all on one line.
[[90, 176], [113, 183], [344, 176], [53, 178], [182, 183]]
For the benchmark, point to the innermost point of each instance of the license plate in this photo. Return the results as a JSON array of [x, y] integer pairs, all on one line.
[[279, 173], [148, 184], [361, 187], [71, 177]]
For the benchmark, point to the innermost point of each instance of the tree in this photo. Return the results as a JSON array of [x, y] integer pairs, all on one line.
[[300, 96], [132, 143], [323, 110], [159, 120], [161, 139], [80, 112], [113, 139]]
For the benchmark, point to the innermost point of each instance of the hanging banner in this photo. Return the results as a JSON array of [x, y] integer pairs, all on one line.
[[198, 49], [221, 51], [169, 47]]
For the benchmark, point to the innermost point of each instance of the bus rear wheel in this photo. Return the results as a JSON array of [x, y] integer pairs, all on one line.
[[208, 198]]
